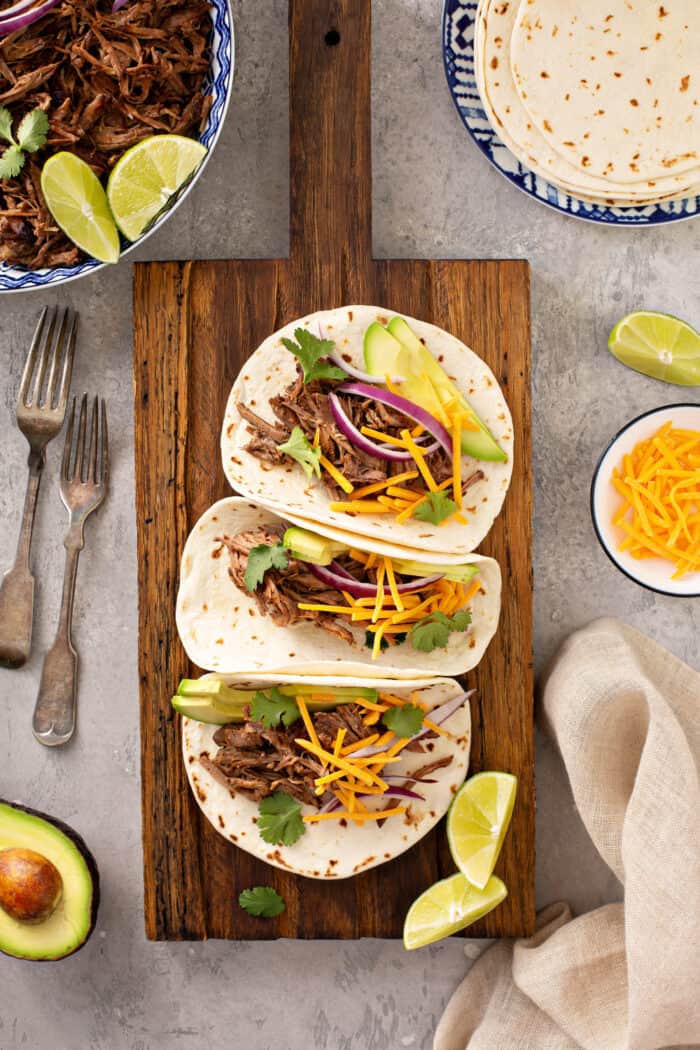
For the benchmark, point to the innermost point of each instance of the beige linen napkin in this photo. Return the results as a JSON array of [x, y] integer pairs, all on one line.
[[626, 716]]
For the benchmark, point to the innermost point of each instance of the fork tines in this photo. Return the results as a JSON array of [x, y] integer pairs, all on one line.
[[91, 464], [52, 350]]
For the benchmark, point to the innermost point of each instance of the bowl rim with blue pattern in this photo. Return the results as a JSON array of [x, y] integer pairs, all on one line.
[[458, 18], [219, 84], [654, 573]]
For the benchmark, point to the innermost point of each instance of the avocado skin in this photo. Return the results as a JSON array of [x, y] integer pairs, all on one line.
[[80, 844]]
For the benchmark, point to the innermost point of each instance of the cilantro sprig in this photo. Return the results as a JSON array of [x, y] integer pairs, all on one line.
[[308, 350], [404, 721], [261, 559], [435, 508], [279, 820], [272, 707], [433, 631], [300, 448], [262, 901], [32, 133]]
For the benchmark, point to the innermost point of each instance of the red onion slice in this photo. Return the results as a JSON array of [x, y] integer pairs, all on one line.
[[118, 4], [371, 448], [396, 792], [360, 589], [21, 5], [403, 405], [11, 23]]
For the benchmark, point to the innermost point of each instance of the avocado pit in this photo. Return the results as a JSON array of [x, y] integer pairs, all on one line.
[[30, 885]]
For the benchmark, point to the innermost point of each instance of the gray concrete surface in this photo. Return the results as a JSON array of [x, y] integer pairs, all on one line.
[[435, 195]]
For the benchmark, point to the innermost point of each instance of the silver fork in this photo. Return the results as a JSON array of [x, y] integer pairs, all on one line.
[[84, 477], [41, 409]]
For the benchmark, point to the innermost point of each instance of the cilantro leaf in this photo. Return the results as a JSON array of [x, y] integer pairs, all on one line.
[[262, 901], [33, 131], [272, 707], [280, 820], [461, 620], [11, 162], [405, 721], [6, 126], [433, 631], [261, 559], [299, 448], [307, 349], [383, 644], [435, 508]]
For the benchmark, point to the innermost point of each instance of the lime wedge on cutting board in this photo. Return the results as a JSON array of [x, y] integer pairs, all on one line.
[[447, 907], [658, 345], [477, 823], [76, 199], [145, 178]]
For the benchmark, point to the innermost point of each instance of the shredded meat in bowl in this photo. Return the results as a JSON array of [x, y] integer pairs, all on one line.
[[106, 81]]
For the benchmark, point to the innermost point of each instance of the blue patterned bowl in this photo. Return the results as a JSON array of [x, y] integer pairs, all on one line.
[[218, 84], [458, 56]]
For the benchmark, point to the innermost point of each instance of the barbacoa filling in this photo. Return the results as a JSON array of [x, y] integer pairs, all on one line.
[[282, 589], [307, 406], [255, 762], [106, 81]]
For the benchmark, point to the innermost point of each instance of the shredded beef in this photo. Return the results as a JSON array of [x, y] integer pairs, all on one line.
[[306, 405], [283, 589], [106, 81], [255, 761]]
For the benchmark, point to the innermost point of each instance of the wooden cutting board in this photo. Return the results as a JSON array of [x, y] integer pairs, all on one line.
[[195, 324]]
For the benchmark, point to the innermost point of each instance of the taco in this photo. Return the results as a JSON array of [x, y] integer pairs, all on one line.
[[257, 596], [371, 423], [319, 777]]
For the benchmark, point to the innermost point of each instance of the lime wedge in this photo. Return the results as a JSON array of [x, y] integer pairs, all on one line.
[[77, 201], [477, 823], [447, 907], [145, 178], [658, 345]]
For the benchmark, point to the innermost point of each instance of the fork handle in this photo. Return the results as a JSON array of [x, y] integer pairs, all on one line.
[[17, 588], [54, 714]]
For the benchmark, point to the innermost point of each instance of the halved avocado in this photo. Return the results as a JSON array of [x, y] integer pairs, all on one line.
[[29, 837]]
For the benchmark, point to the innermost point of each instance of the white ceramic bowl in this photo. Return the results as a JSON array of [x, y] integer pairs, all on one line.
[[218, 84], [653, 573]]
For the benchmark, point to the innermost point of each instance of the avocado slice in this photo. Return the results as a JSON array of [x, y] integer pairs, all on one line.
[[211, 701], [456, 573], [309, 546], [70, 923], [383, 356]]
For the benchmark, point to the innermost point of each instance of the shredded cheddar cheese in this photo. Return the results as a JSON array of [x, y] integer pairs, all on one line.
[[659, 483], [339, 478]]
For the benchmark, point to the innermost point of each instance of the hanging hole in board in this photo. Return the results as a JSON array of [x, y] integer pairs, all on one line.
[[332, 38]]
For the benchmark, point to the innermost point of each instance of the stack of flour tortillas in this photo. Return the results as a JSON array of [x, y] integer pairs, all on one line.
[[599, 97]]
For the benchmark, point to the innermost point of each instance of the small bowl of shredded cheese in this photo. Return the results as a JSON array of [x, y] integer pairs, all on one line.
[[645, 500]]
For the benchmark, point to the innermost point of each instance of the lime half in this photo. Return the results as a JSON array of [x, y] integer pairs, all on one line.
[[146, 177], [477, 823], [77, 201], [447, 907], [658, 345]]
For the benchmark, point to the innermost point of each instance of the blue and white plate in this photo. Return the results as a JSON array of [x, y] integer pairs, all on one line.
[[653, 573], [458, 55], [218, 84]]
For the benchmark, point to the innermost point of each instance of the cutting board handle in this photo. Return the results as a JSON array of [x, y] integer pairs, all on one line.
[[330, 144]]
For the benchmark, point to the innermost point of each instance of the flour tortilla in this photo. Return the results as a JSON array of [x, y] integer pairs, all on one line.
[[612, 85], [222, 630], [327, 850], [286, 488], [516, 129]]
